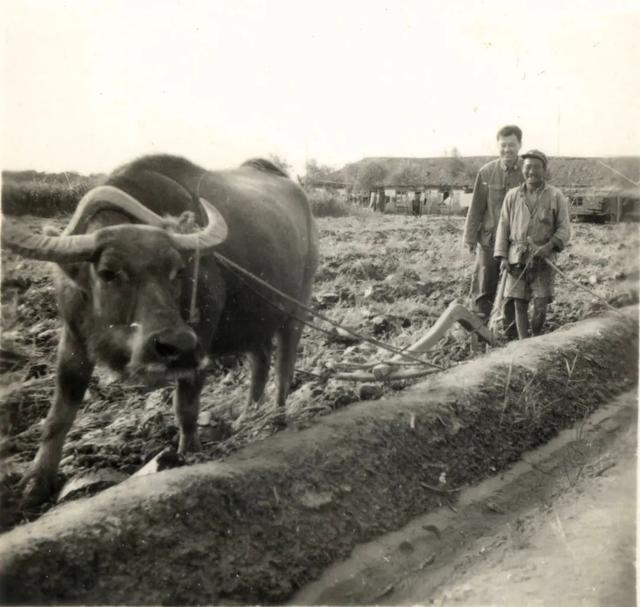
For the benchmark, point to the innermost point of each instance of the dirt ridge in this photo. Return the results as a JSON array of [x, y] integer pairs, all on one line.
[[269, 519]]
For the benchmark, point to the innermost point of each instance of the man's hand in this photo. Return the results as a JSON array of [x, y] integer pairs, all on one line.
[[504, 264], [544, 250]]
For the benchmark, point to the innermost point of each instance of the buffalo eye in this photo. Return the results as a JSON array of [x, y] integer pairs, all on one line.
[[178, 275], [107, 275]]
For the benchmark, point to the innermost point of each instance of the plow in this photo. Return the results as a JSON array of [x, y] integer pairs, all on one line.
[[406, 363]]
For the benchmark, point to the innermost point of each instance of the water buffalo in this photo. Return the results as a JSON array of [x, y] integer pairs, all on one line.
[[145, 294]]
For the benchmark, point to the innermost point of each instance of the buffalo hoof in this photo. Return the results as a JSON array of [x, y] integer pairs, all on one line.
[[36, 490], [189, 443]]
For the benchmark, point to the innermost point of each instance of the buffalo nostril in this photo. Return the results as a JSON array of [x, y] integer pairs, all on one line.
[[170, 345], [166, 350]]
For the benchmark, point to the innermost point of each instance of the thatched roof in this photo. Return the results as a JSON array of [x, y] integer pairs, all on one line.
[[565, 172]]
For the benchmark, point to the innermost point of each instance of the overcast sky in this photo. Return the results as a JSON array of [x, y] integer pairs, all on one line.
[[89, 85]]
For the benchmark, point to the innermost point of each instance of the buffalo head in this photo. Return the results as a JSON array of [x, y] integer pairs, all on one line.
[[135, 281]]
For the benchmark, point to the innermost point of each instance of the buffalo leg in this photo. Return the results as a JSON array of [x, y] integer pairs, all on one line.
[[186, 403], [288, 340], [74, 370], [260, 361]]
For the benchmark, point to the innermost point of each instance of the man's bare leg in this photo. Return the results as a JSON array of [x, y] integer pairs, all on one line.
[[539, 315], [522, 318]]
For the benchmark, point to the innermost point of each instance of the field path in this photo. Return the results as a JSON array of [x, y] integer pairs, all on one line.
[[558, 528]]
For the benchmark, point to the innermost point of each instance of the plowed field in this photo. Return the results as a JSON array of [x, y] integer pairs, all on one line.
[[387, 277]]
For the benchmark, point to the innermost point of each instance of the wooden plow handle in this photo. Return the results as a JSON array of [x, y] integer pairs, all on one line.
[[390, 370]]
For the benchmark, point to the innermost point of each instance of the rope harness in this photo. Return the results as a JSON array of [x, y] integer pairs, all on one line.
[[240, 271], [242, 274]]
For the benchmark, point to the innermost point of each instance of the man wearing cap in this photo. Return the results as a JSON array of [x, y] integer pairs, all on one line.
[[533, 226], [492, 183]]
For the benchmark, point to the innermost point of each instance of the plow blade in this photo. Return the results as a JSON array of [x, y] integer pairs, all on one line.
[[389, 370]]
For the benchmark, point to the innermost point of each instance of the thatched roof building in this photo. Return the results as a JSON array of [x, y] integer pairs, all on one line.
[[460, 172]]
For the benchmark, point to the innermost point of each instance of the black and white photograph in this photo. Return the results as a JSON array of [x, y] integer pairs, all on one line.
[[319, 303]]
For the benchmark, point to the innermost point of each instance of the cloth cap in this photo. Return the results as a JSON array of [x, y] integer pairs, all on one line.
[[536, 154]]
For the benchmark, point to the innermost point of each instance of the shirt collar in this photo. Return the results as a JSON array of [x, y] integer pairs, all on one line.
[[513, 167], [538, 190]]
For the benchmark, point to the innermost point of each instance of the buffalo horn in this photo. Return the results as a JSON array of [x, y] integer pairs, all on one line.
[[62, 249], [213, 234], [108, 197], [72, 247]]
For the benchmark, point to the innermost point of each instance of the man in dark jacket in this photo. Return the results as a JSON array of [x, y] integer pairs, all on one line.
[[492, 183]]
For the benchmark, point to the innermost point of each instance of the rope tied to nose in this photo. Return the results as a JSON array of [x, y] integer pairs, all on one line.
[[194, 312], [186, 224]]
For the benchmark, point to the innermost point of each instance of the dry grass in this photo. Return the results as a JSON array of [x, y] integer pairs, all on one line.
[[42, 198]]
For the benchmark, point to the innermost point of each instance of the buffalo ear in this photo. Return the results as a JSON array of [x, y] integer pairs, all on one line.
[[78, 273]]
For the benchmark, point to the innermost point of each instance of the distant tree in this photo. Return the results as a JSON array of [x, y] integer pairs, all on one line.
[[350, 174], [456, 164], [313, 171], [281, 163], [408, 174], [370, 175]]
